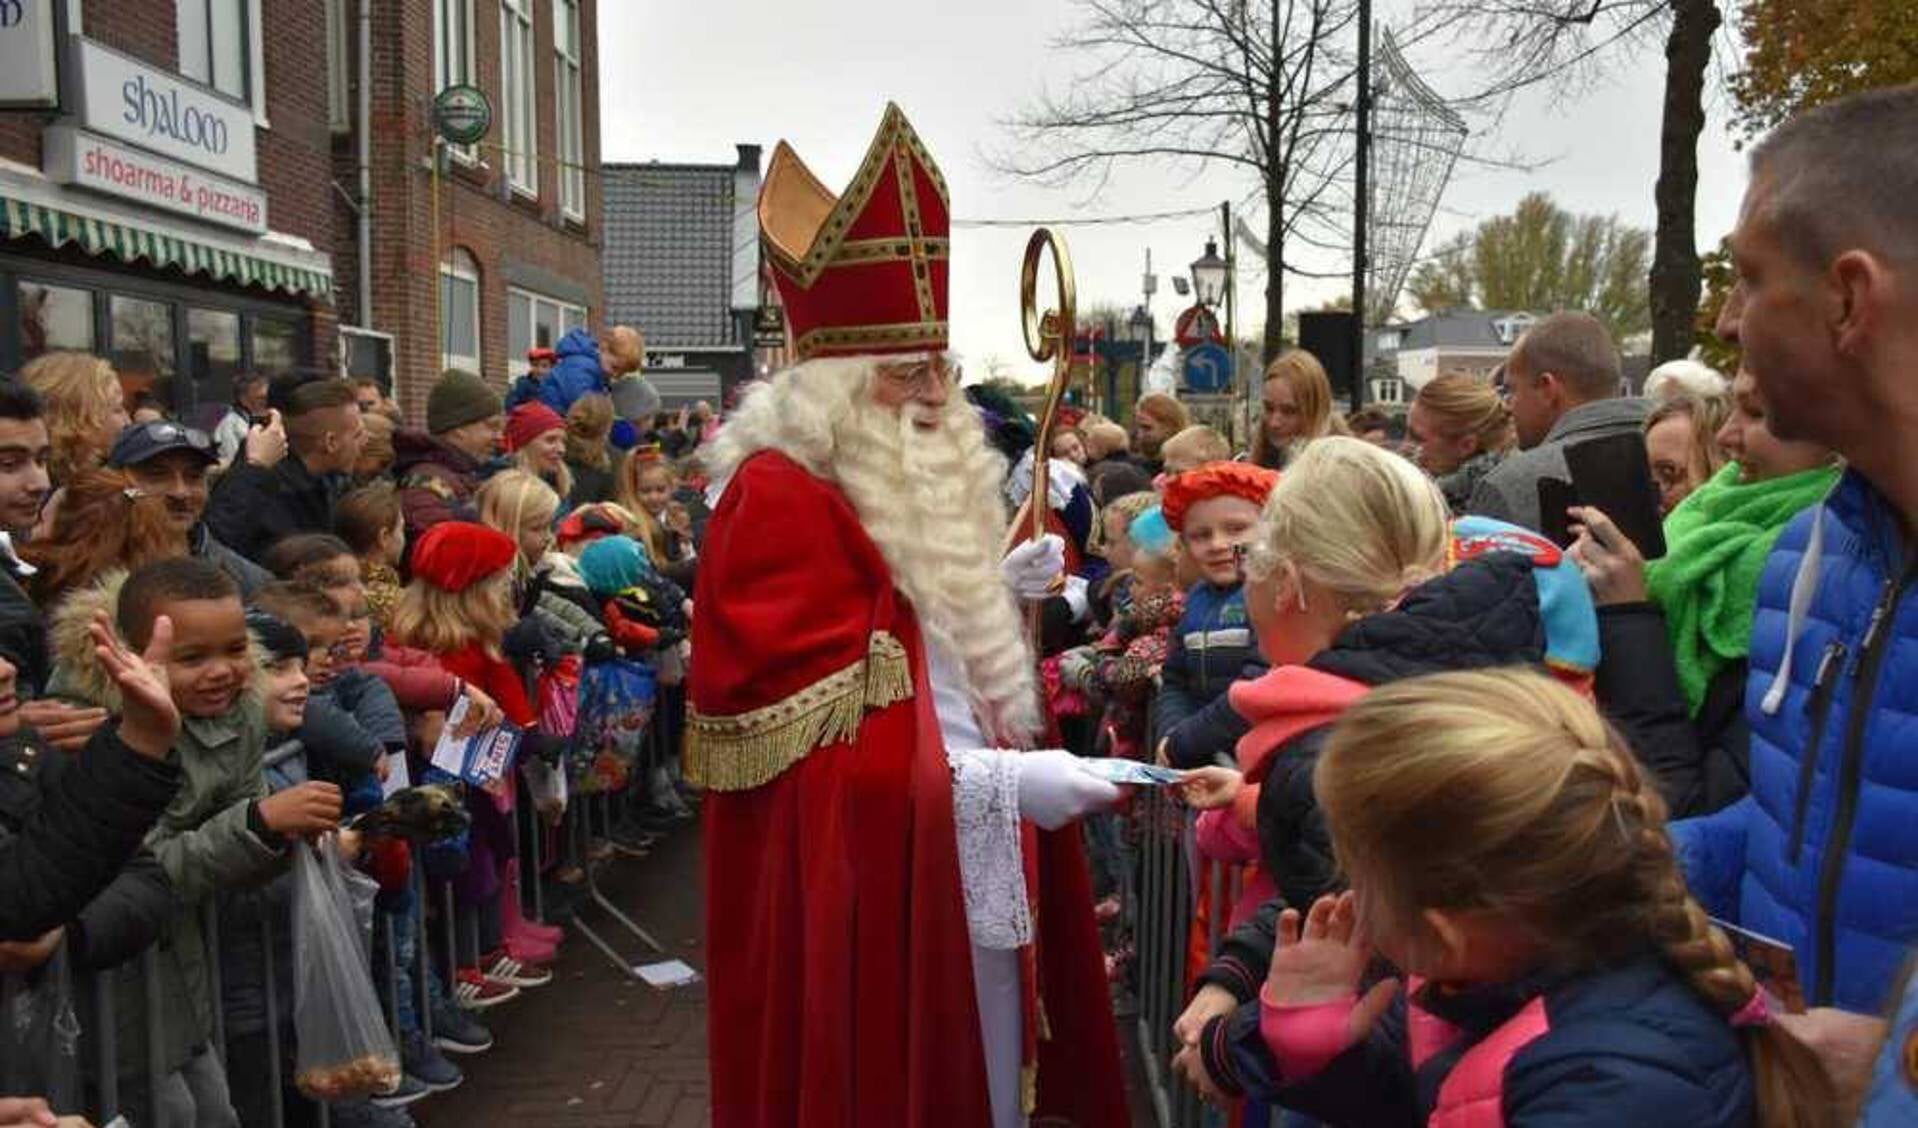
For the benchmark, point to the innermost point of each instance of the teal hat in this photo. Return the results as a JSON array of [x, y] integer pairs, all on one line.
[[612, 564], [1149, 532]]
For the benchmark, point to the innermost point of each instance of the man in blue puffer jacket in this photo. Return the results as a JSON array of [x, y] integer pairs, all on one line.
[[1823, 854]]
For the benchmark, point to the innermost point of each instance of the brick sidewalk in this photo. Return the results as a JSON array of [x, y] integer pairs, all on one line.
[[595, 1049]]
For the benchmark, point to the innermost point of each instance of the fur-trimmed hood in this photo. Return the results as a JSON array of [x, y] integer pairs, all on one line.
[[77, 672]]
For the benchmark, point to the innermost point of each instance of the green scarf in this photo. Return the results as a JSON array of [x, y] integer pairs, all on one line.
[[1716, 543]]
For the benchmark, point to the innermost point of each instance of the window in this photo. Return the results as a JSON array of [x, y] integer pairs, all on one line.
[[518, 96], [1508, 329], [459, 312], [453, 53], [275, 345], [535, 321], [212, 353], [568, 109], [141, 346], [54, 317], [220, 47]]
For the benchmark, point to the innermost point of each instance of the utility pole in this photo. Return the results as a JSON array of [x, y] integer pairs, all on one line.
[[1361, 202]]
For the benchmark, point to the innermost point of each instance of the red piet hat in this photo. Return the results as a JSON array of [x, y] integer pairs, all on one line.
[[1215, 479], [455, 555], [865, 272], [541, 354], [529, 421]]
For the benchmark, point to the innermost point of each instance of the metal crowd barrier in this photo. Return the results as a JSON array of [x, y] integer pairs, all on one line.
[[92, 1087], [1170, 874]]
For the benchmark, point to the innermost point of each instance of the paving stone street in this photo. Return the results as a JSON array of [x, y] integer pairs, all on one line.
[[595, 1048]]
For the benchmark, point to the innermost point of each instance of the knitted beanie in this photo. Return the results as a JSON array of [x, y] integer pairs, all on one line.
[[460, 398], [529, 421], [455, 555], [612, 564], [1215, 479]]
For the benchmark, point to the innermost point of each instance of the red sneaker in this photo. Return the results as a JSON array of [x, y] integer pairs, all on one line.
[[476, 992], [500, 967]]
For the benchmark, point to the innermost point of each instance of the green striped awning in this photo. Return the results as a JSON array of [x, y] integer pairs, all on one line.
[[129, 243]]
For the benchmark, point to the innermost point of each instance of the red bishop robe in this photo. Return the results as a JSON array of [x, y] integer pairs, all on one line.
[[837, 947]]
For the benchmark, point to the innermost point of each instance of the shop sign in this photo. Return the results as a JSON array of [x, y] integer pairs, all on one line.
[[88, 160], [142, 105], [28, 76]]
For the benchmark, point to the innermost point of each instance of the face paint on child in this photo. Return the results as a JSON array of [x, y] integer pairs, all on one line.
[[1215, 535]]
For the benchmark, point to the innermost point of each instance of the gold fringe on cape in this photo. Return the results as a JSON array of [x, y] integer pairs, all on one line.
[[749, 750]]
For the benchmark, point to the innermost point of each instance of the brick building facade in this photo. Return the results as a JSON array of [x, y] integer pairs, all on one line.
[[186, 202], [512, 231], [102, 246]]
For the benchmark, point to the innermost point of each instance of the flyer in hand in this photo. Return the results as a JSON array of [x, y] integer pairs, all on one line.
[[482, 759], [1116, 770]]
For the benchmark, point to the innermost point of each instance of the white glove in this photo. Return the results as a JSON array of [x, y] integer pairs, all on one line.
[[1031, 569], [1054, 790]]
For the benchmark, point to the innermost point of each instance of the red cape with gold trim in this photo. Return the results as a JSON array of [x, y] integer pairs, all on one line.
[[838, 953]]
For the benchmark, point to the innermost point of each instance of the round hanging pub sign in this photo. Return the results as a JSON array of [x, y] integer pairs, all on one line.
[[462, 114]]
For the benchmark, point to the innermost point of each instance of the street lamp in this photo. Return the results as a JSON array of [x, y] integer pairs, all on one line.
[[1208, 275], [1139, 332]]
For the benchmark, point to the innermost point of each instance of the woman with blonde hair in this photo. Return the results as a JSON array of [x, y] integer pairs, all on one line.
[[85, 410], [1297, 408], [535, 439], [1351, 583], [524, 507], [1681, 440], [1463, 430], [1510, 858]]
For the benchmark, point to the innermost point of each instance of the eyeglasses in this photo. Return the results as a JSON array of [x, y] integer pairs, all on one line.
[[920, 377]]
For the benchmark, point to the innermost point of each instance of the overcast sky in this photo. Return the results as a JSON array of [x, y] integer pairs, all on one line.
[[686, 82]]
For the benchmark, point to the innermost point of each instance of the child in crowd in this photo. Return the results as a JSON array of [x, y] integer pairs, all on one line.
[[460, 608], [1558, 970], [1192, 448], [646, 485], [222, 833], [644, 615], [1215, 511], [297, 734], [373, 525], [524, 507]]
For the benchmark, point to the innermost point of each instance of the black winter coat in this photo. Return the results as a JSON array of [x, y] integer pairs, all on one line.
[[70, 834], [23, 634], [253, 507], [1702, 762]]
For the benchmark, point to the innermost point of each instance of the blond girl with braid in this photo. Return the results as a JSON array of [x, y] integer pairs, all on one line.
[[1510, 857]]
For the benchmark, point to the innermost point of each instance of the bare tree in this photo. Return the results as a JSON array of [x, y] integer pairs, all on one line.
[[1563, 43], [1262, 87]]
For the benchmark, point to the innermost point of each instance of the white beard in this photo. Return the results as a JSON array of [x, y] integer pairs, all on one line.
[[930, 500]]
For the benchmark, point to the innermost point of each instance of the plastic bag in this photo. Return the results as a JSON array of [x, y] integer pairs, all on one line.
[[345, 1049], [559, 697]]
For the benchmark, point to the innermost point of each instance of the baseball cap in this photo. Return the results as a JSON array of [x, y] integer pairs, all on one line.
[[142, 442]]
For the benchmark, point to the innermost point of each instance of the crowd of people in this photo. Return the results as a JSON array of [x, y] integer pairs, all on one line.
[[1533, 823], [215, 646]]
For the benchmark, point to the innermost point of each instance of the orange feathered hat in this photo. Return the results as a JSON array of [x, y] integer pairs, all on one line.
[[863, 272], [1215, 479]]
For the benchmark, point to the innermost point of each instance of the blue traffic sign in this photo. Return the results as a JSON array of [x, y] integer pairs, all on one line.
[[1208, 369]]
